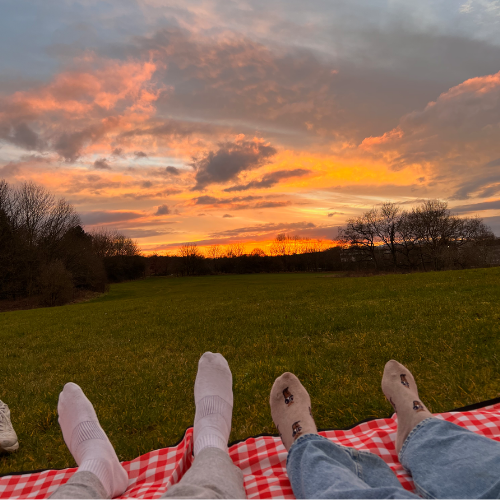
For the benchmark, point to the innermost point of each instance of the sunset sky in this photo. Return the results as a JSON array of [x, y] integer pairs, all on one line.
[[221, 121]]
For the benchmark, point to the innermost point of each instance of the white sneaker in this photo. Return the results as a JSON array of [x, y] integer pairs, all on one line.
[[8, 436]]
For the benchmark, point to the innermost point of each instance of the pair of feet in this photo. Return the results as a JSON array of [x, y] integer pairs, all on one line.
[[92, 449], [290, 409], [291, 404]]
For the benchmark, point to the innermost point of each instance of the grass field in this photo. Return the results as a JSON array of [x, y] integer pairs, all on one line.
[[134, 351]]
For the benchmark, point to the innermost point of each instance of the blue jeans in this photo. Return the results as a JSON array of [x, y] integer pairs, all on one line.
[[444, 459]]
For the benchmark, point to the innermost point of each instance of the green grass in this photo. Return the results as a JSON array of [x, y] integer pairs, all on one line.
[[134, 351]]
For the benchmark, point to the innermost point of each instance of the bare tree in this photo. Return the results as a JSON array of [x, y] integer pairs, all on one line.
[[428, 236], [111, 243], [361, 233], [215, 252], [258, 252], [236, 249], [191, 257], [284, 245]]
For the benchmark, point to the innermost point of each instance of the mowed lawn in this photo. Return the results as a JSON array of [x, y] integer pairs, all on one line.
[[134, 351]]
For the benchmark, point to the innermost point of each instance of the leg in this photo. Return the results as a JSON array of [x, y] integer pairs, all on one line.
[[445, 460], [81, 485], [318, 468], [213, 474], [448, 461], [99, 473]]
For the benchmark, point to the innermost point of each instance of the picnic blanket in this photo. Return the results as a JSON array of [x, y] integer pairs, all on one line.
[[262, 459]]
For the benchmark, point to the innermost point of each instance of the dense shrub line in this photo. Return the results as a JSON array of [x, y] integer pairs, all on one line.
[[191, 262]]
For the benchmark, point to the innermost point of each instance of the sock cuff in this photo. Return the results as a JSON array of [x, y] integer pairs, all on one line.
[[209, 441], [85, 431], [210, 405], [100, 469]]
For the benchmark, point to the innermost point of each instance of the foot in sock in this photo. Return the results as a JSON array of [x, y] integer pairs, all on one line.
[[401, 391], [291, 409], [213, 396], [87, 442]]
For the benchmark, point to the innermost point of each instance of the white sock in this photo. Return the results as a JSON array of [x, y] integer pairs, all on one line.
[[87, 442], [213, 396]]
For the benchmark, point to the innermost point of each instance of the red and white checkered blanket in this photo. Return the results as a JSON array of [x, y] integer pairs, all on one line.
[[262, 459]]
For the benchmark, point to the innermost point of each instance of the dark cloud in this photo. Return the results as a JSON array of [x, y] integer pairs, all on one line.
[[211, 200], [206, 200], [270, 179], [140, 154], [149, 195], [36, 158], [145, 233], [270, 227], [483, 186], [201, 215], [476, 207], [117, 152], [493, 163], [146, 184], [331, 214], [102, 164], [172, 170], [266, 204], [227, 216], [229, 160], [162, 210], [170, 129], [9, 170], [240, 202], [409, 202], [70, 144], [105, 216], [22, 135]]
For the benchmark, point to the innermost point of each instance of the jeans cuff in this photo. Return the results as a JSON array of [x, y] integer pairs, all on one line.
[[305, 437], [414, 431]]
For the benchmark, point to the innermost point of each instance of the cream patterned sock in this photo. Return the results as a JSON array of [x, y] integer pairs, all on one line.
[[401, 391], [291, 409]]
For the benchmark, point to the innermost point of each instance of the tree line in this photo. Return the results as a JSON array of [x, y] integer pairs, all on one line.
[[427, 237], [46, 254], [287, 253], [385, 238]]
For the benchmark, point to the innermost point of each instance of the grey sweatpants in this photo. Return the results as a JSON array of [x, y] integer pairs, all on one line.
[[212, 475]]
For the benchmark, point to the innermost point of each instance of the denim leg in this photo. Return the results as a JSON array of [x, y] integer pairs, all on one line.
[[318, 468], [448, 461]]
